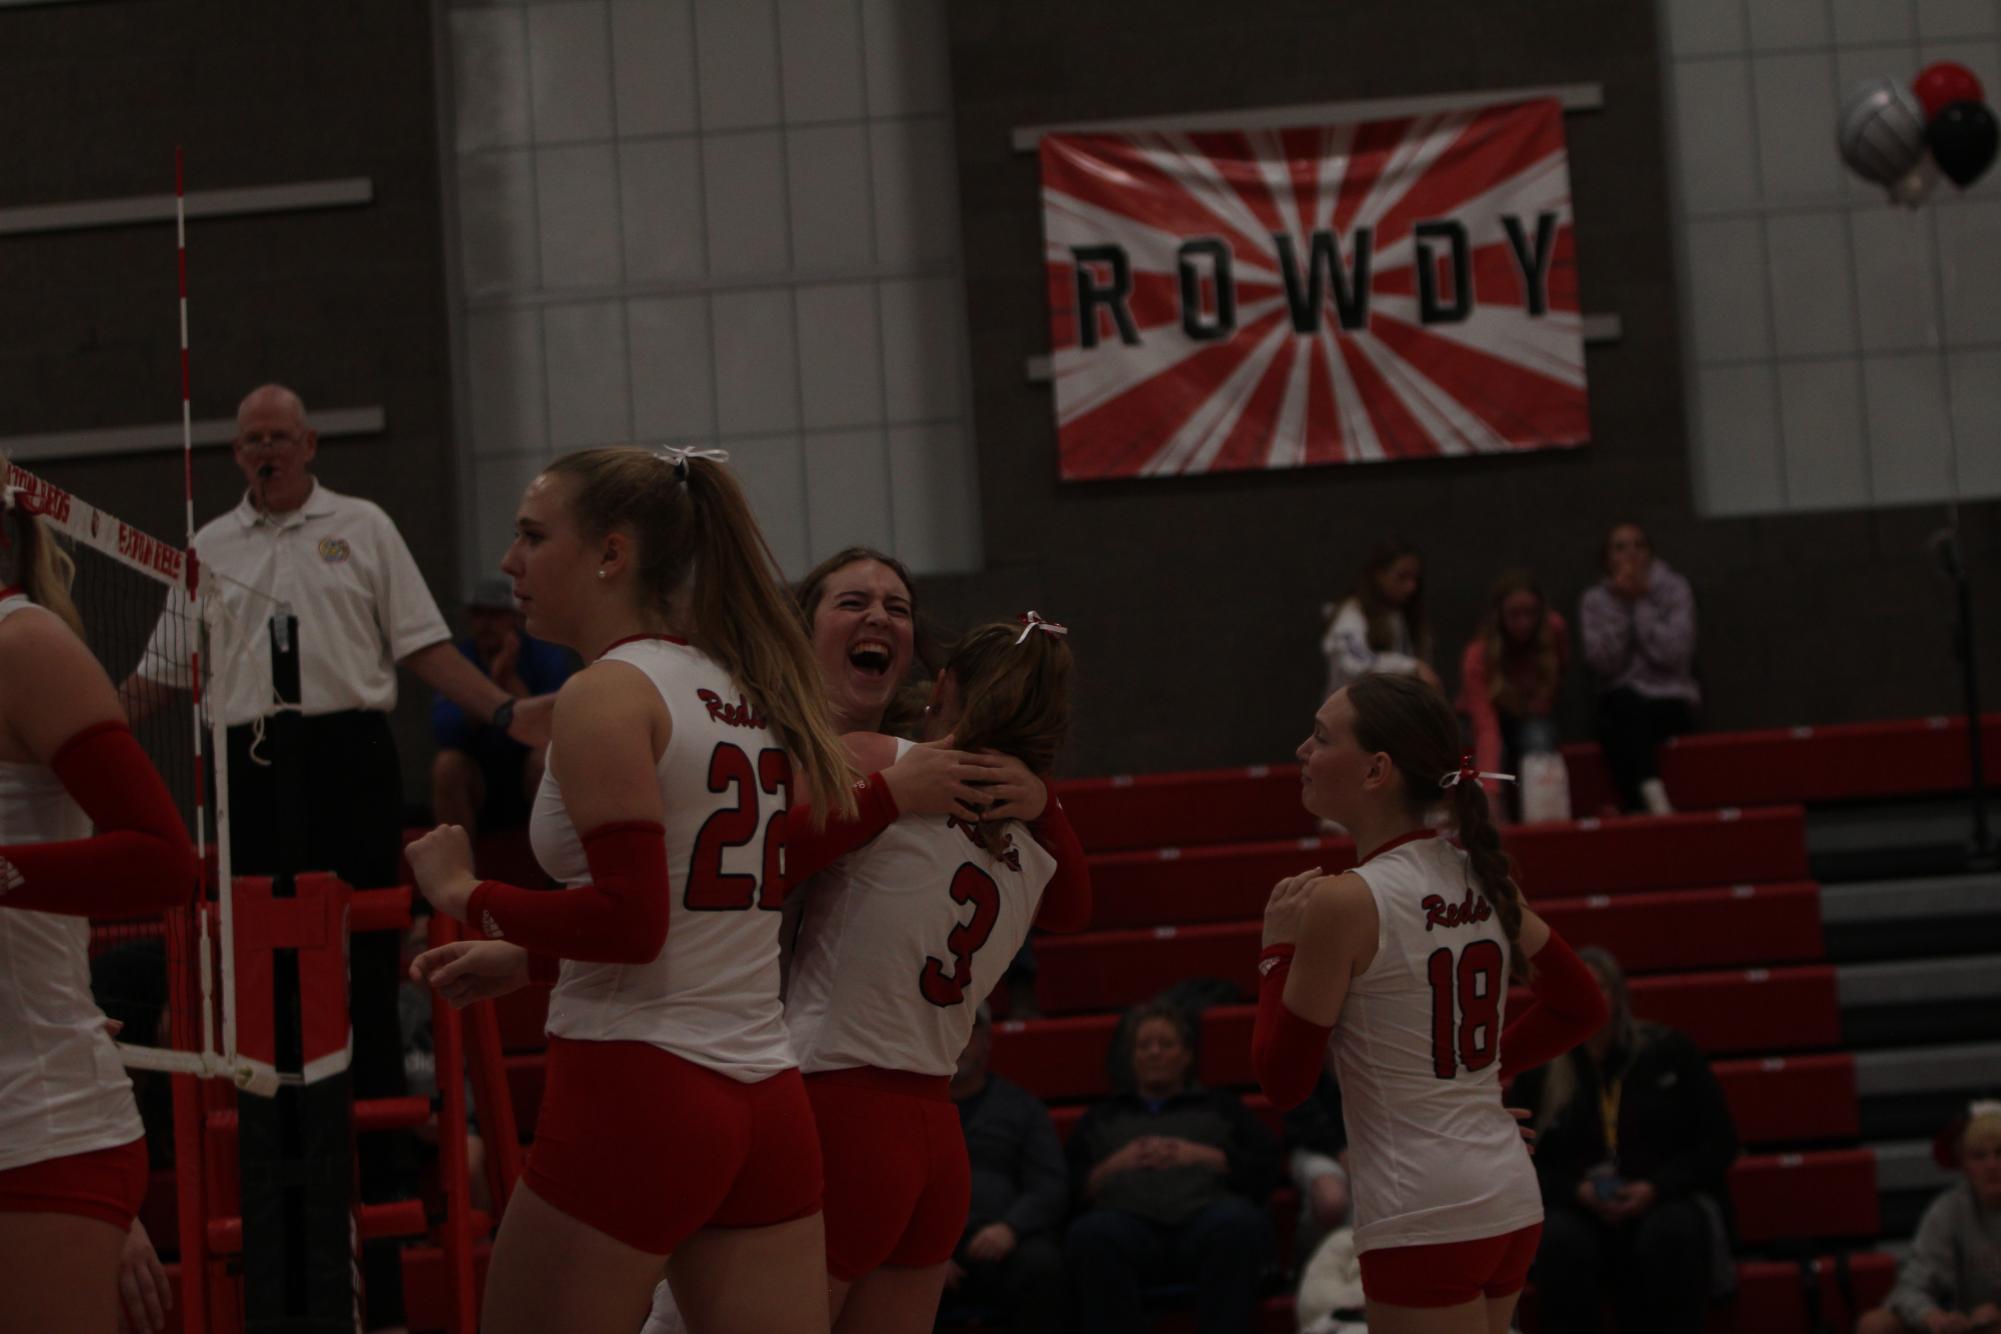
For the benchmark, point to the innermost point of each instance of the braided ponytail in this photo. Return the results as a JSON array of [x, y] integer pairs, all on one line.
[[1411, 722], [1493, 869]]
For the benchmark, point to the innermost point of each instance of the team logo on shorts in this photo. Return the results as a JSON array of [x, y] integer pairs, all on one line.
[[10, 876], [334, 550]]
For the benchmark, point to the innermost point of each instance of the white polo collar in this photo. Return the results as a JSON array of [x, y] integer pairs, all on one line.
[[319, 503]]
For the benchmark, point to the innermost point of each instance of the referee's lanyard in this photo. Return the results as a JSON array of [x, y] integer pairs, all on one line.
[[1608, 1110]]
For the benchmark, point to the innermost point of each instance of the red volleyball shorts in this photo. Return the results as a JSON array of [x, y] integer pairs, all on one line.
[[649, 1148], [898, 1183], [1451, 1273], [108, 1185]]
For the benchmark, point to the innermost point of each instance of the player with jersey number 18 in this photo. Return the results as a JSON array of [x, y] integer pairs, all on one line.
[[900, 942], [675, 1131], [1404, 963]]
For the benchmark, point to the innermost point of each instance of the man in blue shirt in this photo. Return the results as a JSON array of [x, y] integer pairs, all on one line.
[[482, 778]]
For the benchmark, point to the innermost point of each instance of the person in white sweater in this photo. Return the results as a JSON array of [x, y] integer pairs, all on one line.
[[1950, 1283], [1380, 627]]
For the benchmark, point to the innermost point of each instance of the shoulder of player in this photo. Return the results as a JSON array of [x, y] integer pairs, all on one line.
[[607, 692], [871, 752], [1337, 905], [33, 635]]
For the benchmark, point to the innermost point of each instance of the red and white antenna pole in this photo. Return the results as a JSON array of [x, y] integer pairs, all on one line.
[[194, 617]]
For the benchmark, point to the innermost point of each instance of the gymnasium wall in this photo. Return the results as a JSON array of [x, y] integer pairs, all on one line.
[[347, 305], [1195, 601]]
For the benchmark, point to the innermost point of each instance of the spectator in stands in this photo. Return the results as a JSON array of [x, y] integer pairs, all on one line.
[[1380, 627], [1009, 1258], [1317, 1159], [1634, 1143], [1175, 1180], [1639, 638], [1950, 1283], [1509, 675], [483, 778]]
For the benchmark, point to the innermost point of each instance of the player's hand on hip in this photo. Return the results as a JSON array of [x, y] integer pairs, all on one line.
[[441, 861], [142, 1283], [1285, 910], [466, 971]]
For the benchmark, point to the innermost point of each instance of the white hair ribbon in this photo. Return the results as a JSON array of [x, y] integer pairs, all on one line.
[[679, 457], [1032, 621], [1467, 773]]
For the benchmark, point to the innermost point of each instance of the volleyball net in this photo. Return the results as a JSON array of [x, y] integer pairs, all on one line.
[[152, 619]]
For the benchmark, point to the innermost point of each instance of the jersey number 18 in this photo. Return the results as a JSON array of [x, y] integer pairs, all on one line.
[[1465, 1007]]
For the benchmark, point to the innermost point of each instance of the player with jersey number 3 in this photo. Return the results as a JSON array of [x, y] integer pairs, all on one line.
[[675, 1129], [1403, 964], [900, 942]]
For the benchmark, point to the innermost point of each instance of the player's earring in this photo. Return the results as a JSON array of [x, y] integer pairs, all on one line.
[[600, 574]]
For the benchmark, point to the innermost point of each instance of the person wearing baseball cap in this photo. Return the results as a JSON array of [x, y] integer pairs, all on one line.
[[482, 778]]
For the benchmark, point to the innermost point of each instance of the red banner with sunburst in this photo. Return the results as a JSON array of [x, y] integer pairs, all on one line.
[[1386, 289]]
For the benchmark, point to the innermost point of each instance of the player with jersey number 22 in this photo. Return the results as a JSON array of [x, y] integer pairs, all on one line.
[[675, 1131], [1403, 965]]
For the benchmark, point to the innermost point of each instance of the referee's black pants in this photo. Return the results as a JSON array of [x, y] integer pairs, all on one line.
[[351, 780]]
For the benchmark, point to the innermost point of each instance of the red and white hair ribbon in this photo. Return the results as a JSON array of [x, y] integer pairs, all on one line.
[[1032, 621], [1467, 773]]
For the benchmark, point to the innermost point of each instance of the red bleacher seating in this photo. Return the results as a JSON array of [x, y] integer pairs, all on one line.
[[1695, 928], [1705, 928], [1904, 757], [1205, 806], [1787, 1099], [1830, 1193], [1226, 882]]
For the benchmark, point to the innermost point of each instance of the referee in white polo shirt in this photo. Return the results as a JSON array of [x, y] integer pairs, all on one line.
[[363, 610]]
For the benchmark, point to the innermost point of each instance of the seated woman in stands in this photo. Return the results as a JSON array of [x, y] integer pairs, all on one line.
[[1639, 639], [1634, 1141], [1950, 1283], [1510, 673], [1174, 1179], [1380, 627]]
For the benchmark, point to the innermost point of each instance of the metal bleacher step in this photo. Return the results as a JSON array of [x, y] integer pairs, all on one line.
[[1924, 916], [1913, 1091], [1908, 1178], [1922, 836], [1906, 1001]]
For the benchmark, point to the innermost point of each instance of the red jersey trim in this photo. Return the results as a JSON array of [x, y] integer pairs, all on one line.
[[1397, 842], [633, 639]]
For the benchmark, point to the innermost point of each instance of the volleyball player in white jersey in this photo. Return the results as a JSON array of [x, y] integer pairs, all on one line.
[[900, 943], [674, 1127], [1405, 961], [72, 1151]]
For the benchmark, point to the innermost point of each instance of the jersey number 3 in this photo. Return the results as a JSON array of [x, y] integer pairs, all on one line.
[[709, 889], [969, 885], [1465, 1007]]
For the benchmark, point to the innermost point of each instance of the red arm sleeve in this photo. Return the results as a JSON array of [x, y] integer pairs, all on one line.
[[1568, 1008], [1066, 902], [139, 860], [620, 917], [1287, 1053], [809, 851]]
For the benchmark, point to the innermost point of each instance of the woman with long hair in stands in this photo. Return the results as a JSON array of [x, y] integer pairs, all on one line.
[[1404, 963], [1380, 626], [901, 942], [675, 1131], [87, 828]]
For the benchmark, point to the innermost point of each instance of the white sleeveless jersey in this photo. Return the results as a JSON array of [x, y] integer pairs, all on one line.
[[62, 1090], [711, 996], [1434, 1156], [903, 938]]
